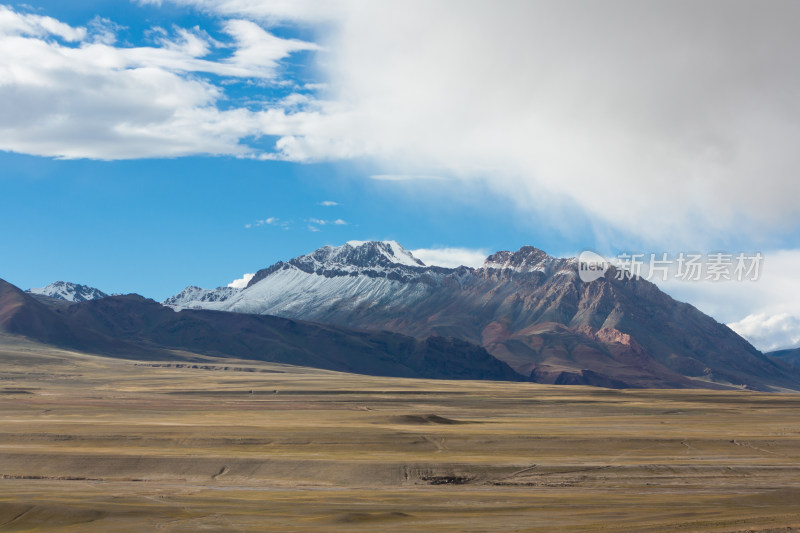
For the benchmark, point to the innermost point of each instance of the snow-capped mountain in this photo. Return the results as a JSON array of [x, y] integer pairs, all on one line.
[[70, 292], [526, 308], [363, 278], [360, 271], [194, 297]]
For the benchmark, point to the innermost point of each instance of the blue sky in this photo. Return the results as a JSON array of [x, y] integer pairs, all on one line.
[[147, 145], [153, 226]]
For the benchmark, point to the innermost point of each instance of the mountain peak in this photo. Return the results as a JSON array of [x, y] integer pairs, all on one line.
[[70, 292], [363, 254], [526, 259], [193, 293]]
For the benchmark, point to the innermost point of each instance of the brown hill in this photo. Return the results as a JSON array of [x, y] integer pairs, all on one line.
[[132, 326]]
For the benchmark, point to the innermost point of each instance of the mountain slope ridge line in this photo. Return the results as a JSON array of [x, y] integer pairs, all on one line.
[[527, 308]]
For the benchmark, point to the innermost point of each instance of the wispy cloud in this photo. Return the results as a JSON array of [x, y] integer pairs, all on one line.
[[598, 106], [769, 332], [315, 222], [271, 221], [15, 24], [329, 203], [312, 224], [405, 177], [451, 257], [70, 92], [241, 282]]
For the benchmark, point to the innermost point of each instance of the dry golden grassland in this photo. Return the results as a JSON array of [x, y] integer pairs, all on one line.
[[89, 444]]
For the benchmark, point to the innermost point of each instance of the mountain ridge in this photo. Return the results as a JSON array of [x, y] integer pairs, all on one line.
[[132, 326], [789, 355], [68, 291], [625, 330]]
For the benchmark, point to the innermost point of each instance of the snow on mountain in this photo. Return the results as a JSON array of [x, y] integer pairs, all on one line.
[[348, 276], [71, 292], [529, 259], [390, 250], [355, 255], [353, 278], [197, 298]]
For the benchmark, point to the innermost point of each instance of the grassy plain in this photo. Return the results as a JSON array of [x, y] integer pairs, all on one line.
[[89, 444]]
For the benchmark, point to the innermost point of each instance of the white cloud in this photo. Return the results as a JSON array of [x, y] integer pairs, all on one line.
[[241, 282], [629, 111], [258, 52], [273, 12], [450, 257], [329, 203], [323, 222], [82, 97], [672, 121], [17, 24], [271, 221], [312, 223], [769, 332], [103, 31]]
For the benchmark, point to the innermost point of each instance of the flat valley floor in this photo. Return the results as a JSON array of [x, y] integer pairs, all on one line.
[[89, 444]]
